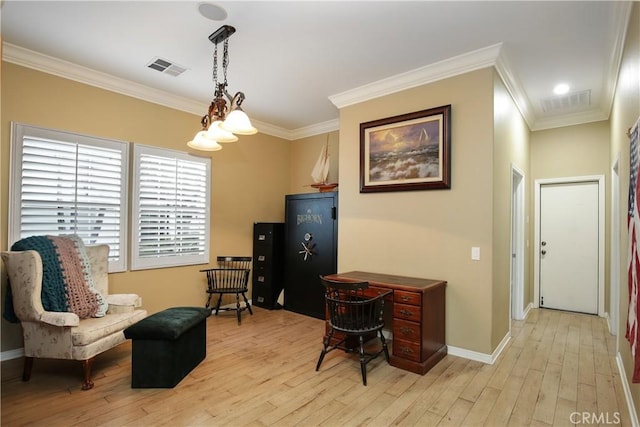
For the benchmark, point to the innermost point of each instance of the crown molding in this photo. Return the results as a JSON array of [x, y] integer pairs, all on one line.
[[68, 70], [273, 130], [317, 129], [514, 87], [622, 17], [491, 56], [457, 65], [570, 120]]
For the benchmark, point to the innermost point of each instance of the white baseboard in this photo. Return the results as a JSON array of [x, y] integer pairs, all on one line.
[[469, 354], [489, 359], [11, 354], [527, 310], [633, 414]]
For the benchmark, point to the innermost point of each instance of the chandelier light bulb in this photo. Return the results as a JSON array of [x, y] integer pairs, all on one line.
[[217, 133], [238, 122], [201, 142]]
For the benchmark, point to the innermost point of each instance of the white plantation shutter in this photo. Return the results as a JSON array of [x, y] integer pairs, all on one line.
[[63, 183], [170, 208]]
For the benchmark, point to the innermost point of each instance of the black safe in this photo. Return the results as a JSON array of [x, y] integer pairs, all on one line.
[[311, 250]]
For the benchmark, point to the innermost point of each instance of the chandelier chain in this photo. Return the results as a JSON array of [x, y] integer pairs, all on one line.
[[225, 60], [215, 67]]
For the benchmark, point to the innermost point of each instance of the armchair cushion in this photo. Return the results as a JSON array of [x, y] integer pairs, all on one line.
[[91, 330]]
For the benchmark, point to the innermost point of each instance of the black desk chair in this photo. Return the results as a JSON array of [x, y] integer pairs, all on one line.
[[231, 277], [351, 313]]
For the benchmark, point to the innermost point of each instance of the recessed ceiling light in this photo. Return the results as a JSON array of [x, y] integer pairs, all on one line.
[[561, 89], [212, 11]]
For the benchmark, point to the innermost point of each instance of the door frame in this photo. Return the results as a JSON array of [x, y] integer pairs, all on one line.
[[601, 234], [614, 261], [517, 243]]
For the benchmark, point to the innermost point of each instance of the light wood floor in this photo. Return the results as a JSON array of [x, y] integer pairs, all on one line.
[[262, 373]]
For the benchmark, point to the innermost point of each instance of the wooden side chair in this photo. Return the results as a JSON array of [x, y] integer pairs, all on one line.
[[231, 277], [351, 313]]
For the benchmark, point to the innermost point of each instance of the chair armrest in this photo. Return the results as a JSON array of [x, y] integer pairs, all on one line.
[[60, 318]]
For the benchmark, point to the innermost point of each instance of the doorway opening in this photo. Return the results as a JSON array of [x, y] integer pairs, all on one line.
[[517, 243], [615, 248]]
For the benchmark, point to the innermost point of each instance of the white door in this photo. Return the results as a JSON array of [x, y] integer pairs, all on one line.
[[569, 247]]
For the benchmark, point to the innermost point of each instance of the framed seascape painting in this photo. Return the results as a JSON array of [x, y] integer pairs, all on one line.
[[407, 152]]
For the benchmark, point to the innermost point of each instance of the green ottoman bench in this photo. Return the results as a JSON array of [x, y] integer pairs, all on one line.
[[167, 345]]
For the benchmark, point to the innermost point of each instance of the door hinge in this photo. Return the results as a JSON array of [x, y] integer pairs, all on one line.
[[541, 301], [334, 213]]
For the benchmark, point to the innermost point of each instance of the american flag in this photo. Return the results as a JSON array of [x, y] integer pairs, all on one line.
[[633, 260]]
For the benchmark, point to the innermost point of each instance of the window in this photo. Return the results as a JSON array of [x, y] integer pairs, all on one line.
[[170, 208], [64, 183]]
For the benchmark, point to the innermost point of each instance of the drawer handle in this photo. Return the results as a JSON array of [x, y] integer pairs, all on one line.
[[406, 312], [406, 350], [260, 278], [405, 298], [261, 258], [406, 331]]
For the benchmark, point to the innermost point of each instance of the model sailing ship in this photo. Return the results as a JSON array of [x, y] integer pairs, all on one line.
[[320, 172]]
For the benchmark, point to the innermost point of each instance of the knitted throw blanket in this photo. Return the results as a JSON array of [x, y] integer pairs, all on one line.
[[64, 275]]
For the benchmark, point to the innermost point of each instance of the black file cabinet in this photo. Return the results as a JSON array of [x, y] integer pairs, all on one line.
[[268, 247]]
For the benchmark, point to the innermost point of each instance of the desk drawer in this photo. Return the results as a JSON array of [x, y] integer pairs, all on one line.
[[411, 298], [409, 331], [372, 292], [406, 350], [408, 312]]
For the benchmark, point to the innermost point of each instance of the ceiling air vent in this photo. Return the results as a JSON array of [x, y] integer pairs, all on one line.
[[167, 67], [569, 101]]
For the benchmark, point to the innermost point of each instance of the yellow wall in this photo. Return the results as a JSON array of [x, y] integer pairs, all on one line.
[[249, 178], [429, 233], [306, 151], [510, 149], [572, 151], [625, 111]]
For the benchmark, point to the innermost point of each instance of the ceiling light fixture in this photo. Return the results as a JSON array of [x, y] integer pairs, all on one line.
[[561, 89], [221, 121]]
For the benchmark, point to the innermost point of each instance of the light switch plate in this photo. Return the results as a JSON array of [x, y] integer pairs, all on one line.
[[475, 253]]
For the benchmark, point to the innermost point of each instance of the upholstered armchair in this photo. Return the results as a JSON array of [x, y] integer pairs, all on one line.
[[64, 335]]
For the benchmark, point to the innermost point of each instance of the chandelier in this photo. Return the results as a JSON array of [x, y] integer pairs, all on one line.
[[222, 121]]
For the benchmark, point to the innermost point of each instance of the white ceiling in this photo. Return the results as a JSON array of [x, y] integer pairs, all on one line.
[[299, 61]]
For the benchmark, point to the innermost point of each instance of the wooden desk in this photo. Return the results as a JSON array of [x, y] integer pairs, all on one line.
[[418, 322]]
